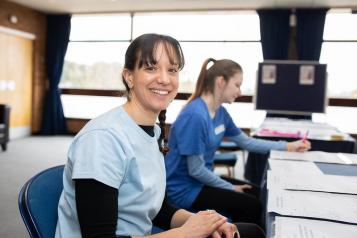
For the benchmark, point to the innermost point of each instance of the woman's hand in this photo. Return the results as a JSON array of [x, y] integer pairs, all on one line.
[[228, 230], [241, 188], [299, 146], [203, 224]]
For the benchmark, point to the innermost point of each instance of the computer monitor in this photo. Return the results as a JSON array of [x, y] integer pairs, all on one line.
[[291, 87]]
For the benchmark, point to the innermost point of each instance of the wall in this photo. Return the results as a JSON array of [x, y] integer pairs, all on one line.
[[34, 22]]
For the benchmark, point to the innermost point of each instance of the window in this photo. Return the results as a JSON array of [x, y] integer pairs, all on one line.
[[200, 26], [95, 54], [221, 34], [95, 57], [339, 51], [96, 50]]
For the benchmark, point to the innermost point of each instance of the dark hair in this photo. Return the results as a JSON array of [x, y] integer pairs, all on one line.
[[141, 52], [207, 77]]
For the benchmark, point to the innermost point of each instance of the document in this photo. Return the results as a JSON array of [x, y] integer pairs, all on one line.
[[336, 207], [289, 227], [312, 182], [290, 166], [315, 156], [348, 158]]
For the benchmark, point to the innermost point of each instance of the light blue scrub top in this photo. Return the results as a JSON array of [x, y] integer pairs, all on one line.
[[114, 150]]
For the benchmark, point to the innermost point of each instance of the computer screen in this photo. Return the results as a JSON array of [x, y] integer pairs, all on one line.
[[291, 87]]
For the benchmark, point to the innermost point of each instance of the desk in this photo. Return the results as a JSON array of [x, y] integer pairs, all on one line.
[[319, 135], [328, 169]]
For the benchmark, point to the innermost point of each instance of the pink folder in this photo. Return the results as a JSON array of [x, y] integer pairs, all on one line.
[[276, 133]]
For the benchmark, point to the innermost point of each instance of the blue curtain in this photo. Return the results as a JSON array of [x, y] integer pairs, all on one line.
[[58, 30], [274, 31], [310, 29]]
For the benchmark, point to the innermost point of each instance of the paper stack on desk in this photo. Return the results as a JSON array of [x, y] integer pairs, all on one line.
[[300, 188], [288, 227], [312, 182], [316, 156], [290, 166], [337, 207]]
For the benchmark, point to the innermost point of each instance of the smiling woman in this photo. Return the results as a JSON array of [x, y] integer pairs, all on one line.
[[152, 83]]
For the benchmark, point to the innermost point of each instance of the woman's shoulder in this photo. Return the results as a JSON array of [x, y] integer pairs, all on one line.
[[192, 115], [107, 120], [104, 124], [195, 107]]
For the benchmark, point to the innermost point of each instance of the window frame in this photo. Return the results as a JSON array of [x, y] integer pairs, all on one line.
[[343, 102]]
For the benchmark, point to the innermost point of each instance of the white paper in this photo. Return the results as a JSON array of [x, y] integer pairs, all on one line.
[[290, 166], [348, 158], [289, 227], [337, 207], [315, 156], [309, 182]]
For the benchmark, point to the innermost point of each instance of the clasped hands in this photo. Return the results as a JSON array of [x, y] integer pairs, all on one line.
[[209, 223]]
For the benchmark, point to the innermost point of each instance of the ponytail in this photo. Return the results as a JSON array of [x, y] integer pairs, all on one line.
[[162, 141], [201, 85], [207, 77]]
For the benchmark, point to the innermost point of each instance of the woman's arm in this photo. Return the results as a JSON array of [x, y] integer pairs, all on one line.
[[198, 170], [257, 145], [97, 209], [165, 216]]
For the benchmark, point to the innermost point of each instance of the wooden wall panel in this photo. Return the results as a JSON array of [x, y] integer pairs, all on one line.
[[16, 78], [34, 22]]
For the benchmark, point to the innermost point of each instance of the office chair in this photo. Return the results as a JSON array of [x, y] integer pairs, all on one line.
[[38, 202]]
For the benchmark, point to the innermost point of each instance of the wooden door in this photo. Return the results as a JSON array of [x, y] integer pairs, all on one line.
[[16, 63]]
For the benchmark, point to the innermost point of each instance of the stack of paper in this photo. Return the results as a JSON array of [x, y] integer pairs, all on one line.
[[288, 227], [316, 156], [313, 204], [312, 182], [282, 166]]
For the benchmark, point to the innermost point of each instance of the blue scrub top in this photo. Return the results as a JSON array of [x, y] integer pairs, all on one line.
[[194, 133]]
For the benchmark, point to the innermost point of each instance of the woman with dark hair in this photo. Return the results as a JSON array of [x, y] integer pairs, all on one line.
[[114, 179], [196, 135]]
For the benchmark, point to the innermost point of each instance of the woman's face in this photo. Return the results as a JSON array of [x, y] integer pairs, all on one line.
[[232, 89], [155, 86]]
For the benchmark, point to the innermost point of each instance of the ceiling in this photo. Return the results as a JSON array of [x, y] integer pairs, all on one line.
[[97, 6]]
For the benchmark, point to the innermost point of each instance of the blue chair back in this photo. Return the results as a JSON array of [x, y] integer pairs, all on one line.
[[38, 202]]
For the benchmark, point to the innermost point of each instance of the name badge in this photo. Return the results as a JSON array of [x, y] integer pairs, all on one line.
[[219, 129]]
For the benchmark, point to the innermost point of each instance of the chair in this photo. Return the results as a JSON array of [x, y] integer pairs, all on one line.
[[4, 125], [38, 202], [225, 158]]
